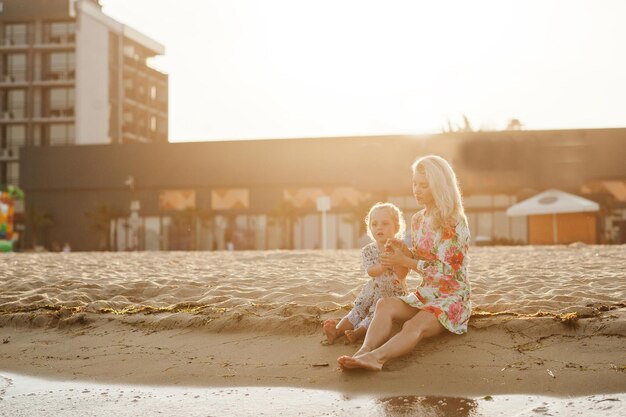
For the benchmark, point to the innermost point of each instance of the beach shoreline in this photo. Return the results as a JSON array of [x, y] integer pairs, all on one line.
[[499, 355], [548, 321]]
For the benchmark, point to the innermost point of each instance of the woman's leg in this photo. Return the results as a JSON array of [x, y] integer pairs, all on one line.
[[387, 310], [421, 326]]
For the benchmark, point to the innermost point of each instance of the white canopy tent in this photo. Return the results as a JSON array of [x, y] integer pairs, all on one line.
[[552, 202]]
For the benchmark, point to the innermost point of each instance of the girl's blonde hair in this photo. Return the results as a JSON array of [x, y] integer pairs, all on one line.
[[396, 215], [448, 208]]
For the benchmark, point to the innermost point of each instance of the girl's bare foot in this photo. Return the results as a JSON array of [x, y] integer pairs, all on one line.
[[353, 336], [330, 330], [366, 361]]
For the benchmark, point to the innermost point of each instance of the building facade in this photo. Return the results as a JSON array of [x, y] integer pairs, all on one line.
[[262, 194], [70, 75]]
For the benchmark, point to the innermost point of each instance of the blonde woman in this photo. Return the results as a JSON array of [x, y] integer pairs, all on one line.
[[440, 238]]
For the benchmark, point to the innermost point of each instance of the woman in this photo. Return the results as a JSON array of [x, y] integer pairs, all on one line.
[[440, 238]]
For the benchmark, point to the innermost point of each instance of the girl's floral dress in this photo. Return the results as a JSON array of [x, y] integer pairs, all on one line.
[[442, 262], [386, 285]]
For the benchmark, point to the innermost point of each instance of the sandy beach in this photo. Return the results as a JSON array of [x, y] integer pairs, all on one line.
[[548, 321]]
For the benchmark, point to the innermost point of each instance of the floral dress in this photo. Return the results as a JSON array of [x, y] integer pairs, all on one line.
[[442, 262], [386, 285]]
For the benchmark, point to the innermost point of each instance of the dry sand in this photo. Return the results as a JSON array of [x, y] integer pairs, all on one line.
[[241, 319]]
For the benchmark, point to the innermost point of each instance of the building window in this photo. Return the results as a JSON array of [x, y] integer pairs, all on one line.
[[128, 88], [15, 106], [60, 134], [61, 102], [129, 51], [15, 65], [59, 32], [16, 34], [153, 123], [13, 173], [153, 92], [129, 119], [60, 66], [36, 135], [15, 136], [162, 125]]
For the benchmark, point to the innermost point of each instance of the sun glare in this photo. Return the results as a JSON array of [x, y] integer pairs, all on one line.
[[247, 69]]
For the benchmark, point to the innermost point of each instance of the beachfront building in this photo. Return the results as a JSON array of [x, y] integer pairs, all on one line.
[[263, 194], [70, 75]]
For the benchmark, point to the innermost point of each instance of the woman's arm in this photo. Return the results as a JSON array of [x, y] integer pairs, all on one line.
[[398, 256], [401, 271]]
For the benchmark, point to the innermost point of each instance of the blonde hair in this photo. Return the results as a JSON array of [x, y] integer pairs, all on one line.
[[448, 208], [396, 215]]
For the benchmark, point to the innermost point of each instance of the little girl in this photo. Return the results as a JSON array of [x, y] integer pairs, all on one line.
[[384, 221]]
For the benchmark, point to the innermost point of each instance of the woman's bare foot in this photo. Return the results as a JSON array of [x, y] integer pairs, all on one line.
[[353, 336], [366, 361], [362, 350], [330, 330]]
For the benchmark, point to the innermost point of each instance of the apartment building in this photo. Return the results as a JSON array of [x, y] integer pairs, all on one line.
[[70, 75]]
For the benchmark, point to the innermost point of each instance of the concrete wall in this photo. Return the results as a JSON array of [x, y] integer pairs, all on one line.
[[72, 180], [92, 80]]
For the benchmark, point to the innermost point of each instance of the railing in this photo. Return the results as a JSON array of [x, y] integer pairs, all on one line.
[[15, 76]]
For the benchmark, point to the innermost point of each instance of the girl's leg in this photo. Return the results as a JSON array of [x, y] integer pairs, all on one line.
[[421, 326], [355, 335], [332, 330], [362, 303]]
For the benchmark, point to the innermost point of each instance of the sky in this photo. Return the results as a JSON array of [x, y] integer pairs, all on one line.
[[291, 68]]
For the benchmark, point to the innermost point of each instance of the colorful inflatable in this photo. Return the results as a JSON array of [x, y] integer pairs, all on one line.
[[7, 200]]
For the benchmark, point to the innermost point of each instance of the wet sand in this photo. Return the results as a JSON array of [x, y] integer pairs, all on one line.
[[28, 397], [548, 321]]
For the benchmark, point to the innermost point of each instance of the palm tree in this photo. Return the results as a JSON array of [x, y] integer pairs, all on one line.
[[38, 221], [99, 221], [514, 124], [188, 220], [286, 213], [357, 216]]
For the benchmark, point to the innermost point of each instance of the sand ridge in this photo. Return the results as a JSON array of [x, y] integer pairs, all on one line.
[[285, 290]]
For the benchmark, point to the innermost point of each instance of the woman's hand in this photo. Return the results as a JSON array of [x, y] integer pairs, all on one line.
[[398, 244], [393, 255]]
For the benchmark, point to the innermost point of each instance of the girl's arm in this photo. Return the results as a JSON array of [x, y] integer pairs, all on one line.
[[376, 270], [371, 264]]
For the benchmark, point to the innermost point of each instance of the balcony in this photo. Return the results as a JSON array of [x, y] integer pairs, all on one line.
[[56, 116], [8, 155], [69, 46], [57, 79], [11, 117], [17, 43], [67, 42], [13, 80], [145, 104], [142, 69], [52, 79]]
